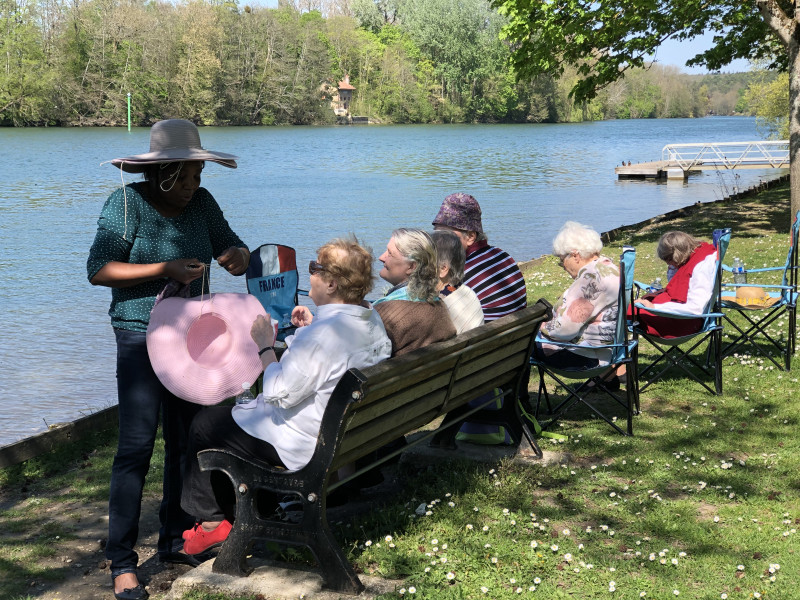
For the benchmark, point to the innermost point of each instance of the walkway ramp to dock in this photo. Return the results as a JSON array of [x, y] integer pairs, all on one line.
[[678, 160]]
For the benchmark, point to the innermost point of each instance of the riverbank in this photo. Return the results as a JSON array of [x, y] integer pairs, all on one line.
[[710, 482]]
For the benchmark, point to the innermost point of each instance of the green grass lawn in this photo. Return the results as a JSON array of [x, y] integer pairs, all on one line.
[[701, 503]]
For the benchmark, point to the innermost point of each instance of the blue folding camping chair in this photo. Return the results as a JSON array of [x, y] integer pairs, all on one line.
[[272, 278], [623, 352], [758, 317], [675, 353]]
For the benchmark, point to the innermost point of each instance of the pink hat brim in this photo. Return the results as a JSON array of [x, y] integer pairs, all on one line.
[[200, 348]]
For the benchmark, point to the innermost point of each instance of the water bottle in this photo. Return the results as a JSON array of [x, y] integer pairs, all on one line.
[[245, 395], [655, 287], [739, 274]]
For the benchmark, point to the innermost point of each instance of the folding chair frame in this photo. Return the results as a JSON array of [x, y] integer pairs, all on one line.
[[624, 351], [753, 328], [670, 354]]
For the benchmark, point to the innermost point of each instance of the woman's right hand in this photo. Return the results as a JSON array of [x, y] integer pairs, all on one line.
[[301, 316], [184, 270]]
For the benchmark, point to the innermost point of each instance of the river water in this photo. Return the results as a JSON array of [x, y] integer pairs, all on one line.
[[300, 186]]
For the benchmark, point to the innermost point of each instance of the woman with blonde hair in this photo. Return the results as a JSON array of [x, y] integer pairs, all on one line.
[[282, 424], [692, 268]]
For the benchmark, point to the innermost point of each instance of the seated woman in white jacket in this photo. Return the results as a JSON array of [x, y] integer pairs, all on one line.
[[281, 425]]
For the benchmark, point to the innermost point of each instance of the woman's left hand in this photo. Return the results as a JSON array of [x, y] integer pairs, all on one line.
[[234, 260]]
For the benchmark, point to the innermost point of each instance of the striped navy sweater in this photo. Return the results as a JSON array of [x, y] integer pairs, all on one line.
[[496, 279]]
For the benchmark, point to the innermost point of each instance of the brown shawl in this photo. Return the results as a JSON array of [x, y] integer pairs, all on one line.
[[411, 325]]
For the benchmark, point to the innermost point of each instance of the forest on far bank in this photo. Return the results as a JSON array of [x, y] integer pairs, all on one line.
[[74, 62]]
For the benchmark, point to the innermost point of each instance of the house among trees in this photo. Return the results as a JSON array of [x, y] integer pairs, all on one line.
[[345, 97]]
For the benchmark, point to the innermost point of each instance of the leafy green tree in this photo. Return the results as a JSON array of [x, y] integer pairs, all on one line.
[[23, 72], [769, 102], [605, 38], [457, 35]]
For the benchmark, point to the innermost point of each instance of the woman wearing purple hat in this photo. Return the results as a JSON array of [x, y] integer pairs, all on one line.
[[491, 273], [164, 228]]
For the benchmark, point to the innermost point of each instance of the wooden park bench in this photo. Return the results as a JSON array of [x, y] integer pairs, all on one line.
[[367, 410]]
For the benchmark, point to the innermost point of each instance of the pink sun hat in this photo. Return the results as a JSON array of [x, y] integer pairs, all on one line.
[[200, 347]]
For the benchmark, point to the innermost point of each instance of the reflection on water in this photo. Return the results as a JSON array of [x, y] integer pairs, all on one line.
[[300, 186]]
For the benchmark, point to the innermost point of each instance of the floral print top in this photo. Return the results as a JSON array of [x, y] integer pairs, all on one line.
[[586, 313]]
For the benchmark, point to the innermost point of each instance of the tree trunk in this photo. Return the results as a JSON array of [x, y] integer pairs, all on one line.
[[794, 124]]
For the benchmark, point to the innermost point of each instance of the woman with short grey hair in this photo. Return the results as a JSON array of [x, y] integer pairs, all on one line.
[[461, 301], [586, 312]]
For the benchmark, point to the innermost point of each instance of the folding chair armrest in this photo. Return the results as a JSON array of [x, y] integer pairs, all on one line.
[[545, 340], [765, 269], [302, 292], [640, 285], [774, 286], [672, 315]]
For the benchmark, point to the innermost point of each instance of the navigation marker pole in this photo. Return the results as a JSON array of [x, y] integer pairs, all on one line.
[[129, 111]]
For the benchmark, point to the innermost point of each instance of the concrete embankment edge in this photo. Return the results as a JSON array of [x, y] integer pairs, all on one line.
[[57, 435]]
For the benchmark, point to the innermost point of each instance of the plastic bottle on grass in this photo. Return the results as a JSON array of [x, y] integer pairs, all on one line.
[[245, 395]]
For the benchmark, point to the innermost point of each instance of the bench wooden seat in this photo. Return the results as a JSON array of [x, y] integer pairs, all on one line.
[[367, 410]]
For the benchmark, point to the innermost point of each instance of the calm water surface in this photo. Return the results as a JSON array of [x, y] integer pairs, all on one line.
[[299, 186]]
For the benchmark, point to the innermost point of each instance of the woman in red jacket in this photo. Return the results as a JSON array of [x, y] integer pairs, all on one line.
[[693, 269]]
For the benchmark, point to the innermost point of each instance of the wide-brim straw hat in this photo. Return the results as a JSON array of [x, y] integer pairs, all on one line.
[[173, 140], [750, 297], [201, 349]]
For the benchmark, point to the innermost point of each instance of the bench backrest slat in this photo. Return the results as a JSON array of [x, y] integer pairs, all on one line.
[[383, 402]]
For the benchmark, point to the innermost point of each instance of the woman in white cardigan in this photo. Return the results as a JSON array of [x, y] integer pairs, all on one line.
[[461, 301]]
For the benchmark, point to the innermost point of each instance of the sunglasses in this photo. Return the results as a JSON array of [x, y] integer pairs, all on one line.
[[315, 267]]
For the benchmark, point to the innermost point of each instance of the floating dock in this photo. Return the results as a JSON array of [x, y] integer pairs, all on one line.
[[657, 169], [679, 160]]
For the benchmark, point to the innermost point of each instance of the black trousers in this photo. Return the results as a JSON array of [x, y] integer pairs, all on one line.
[[208, 494]]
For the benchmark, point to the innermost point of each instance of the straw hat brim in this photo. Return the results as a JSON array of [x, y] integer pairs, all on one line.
[[200, 348], [138, 162], [751, 303]]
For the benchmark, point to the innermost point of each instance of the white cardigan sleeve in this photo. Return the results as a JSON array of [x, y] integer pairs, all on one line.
[[701, 287]]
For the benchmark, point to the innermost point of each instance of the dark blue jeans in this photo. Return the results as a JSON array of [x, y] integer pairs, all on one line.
[[142, 398]]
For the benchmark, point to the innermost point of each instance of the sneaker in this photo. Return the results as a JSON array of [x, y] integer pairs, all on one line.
[[201, 540], [189, 533]]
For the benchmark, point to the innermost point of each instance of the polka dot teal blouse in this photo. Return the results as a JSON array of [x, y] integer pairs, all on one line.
[[141, 235]]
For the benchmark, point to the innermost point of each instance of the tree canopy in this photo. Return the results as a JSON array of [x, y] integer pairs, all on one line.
[[603, 39], [222, 62]]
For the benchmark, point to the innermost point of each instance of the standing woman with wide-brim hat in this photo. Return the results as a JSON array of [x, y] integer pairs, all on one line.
[[165, 227]]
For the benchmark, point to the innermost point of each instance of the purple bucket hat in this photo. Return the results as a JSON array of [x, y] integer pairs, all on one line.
[[460, 211]]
